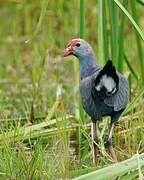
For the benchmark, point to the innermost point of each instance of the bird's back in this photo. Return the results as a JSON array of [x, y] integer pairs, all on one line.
[[97, 104]]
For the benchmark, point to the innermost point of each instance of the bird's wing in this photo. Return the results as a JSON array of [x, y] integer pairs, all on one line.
[[86, 97], [120, 99]]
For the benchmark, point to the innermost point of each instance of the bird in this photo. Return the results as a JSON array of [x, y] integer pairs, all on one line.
[[104, 91]]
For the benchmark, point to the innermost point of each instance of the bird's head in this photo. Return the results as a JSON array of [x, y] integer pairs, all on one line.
[[77, 47]]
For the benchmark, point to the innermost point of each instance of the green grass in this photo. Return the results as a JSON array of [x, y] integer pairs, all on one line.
[[82, 18], [37, 85]]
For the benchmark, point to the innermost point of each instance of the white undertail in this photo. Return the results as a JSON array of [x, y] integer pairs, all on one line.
[[107, 82]]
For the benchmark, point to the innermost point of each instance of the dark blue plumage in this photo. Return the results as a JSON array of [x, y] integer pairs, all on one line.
[[104, 91], [97, 104]]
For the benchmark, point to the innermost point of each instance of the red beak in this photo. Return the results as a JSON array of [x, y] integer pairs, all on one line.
[[67, 52]]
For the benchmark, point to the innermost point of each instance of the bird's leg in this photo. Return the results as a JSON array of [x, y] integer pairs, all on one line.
[[109, 143], [95, 140]]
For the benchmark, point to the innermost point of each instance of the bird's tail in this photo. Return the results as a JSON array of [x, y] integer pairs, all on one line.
[[106, 82]]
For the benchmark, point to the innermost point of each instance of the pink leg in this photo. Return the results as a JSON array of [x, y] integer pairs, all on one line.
[[95, 139], [109, 143]]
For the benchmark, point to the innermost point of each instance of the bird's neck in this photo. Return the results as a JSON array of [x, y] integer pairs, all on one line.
[[87, 65]]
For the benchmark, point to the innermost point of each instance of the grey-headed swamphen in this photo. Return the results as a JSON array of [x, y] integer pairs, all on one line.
[[104, 91]]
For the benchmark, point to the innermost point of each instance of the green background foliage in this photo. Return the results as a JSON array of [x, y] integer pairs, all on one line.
[[38, 85]]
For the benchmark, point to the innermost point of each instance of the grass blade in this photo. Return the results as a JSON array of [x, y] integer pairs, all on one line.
[[82, 18], [131, 68], [100, 32], [138, 41], [141, 2], [105, 33], [37, 130], [121, 39], [113, 13], [115, 170], [42, 14], [139, 31]]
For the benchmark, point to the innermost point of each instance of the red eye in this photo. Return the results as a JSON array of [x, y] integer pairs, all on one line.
[[78, 45]]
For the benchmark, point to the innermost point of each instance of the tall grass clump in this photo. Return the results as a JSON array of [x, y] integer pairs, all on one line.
[[113, 43], [138, 41]]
